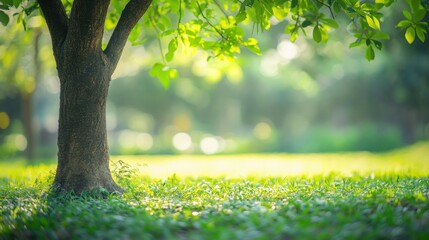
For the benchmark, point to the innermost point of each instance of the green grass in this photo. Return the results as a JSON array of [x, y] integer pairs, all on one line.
[[329, 196]]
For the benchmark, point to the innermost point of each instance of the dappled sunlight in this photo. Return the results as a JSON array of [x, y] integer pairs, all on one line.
[[25, 174]]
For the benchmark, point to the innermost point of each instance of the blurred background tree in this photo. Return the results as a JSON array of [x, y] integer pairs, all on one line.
[[297, 97], [21, 70]]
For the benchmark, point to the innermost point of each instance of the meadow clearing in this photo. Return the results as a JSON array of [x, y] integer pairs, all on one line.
[[274, 196]]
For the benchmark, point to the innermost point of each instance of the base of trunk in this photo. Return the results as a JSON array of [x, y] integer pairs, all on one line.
[[85, 181]]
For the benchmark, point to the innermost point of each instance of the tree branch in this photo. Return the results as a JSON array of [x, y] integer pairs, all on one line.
[[57, 21], [132, 13], [86, 24]]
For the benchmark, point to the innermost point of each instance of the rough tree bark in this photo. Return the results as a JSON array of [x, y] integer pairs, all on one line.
[[85, 72]]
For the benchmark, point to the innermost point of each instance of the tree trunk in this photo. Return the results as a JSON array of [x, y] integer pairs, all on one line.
[[85, 71], [83, 160], [27, 120], [28, 98]]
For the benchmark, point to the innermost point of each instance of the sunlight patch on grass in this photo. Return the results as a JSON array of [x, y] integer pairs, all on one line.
[[26, 174], [413, 161]]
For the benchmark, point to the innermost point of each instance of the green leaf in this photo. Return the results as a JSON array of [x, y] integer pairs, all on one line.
[[407, 14], [294, 3], [16, 3], [421, 34], [168, 32], [4, 18], [368, 42], [294, 36], [419, 14], [135, 34], [172, 47], [373, 22], [173, 74], [248, 3], [7, 2], [381, 35], [410, 35], [317, 34], [378, 44], [255, 49], [156, 68], [279, 13], [414, 4], [324, 33], [357, 43], [337, 7], [306, 23], [241, 16], [330, 22], [384, 2], [404, 24], [251, 42], [163, 73], [369, 55]]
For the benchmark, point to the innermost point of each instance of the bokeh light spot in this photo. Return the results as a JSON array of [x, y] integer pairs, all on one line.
[[4, 120], [182, 141], [209, 145], [144, 141], [262, 131], [287, 49], [20, 142]]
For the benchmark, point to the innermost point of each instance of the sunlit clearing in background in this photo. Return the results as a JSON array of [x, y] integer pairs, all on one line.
[[273, 60], [182, 141], [269, 64], [411, 162], [4, 120], [127, 139], [262, 131], [131, 139], [287, 49], [212, 145], [144, 141]]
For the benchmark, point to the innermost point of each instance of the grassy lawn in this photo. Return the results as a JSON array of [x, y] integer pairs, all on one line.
[[277, 196]]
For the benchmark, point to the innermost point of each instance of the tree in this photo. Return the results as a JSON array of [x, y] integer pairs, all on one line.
[[19, 78], [85, 65]]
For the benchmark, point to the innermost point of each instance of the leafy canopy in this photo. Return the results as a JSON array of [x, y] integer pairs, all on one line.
[[219, 26]]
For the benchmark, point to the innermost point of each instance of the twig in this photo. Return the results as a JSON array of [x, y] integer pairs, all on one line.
[[207, 20], [158, 38], [221, 9], [180, 15], [326, 5]]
